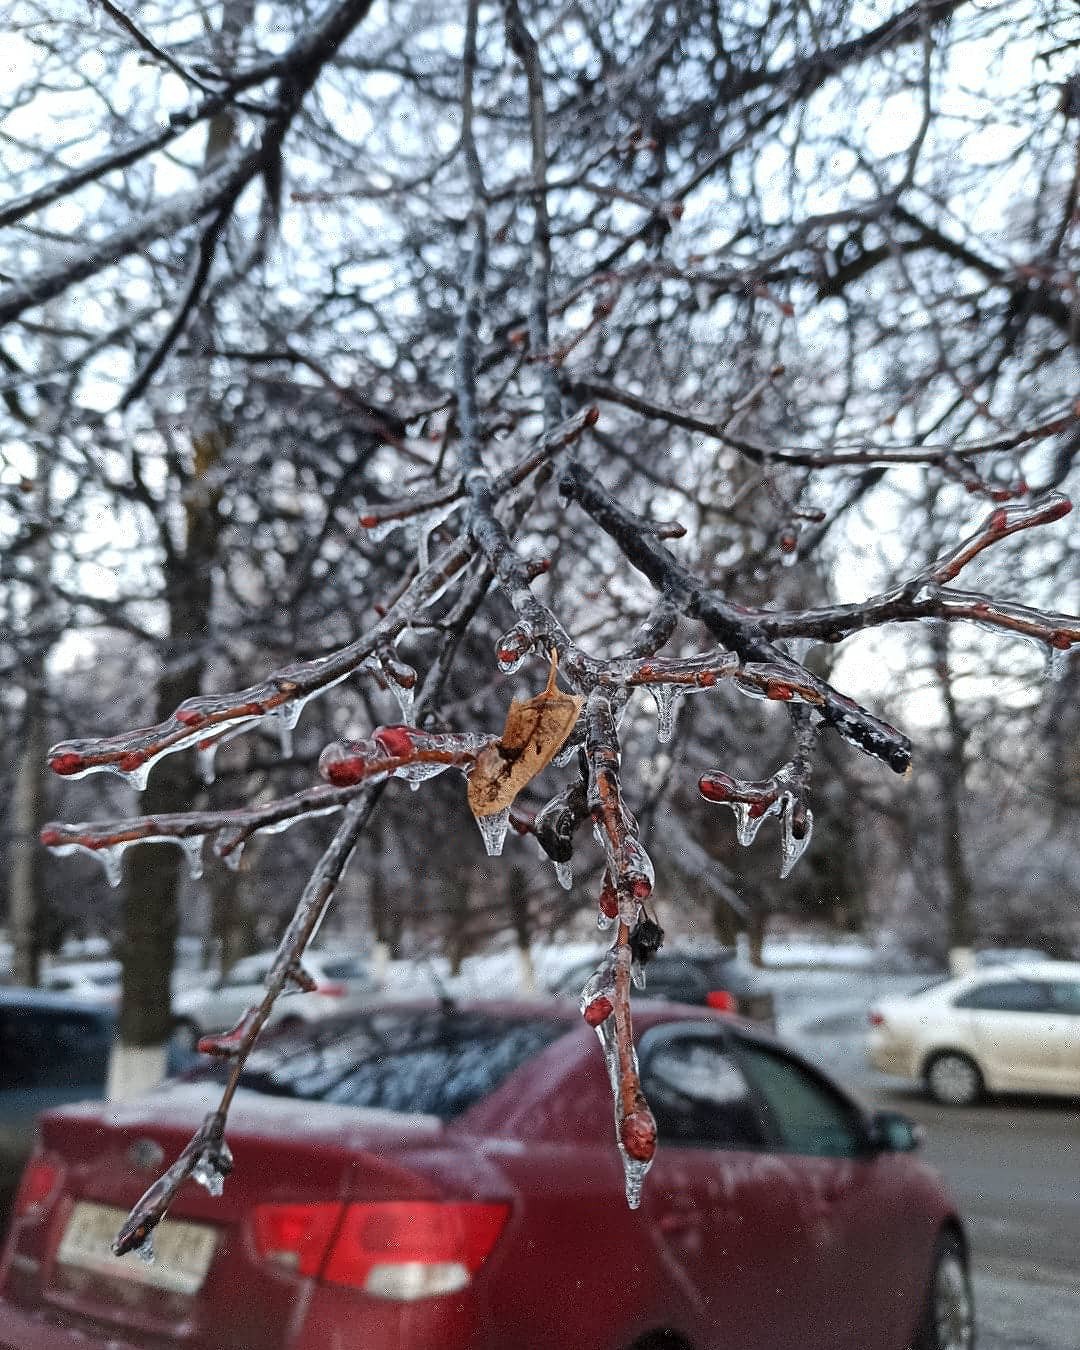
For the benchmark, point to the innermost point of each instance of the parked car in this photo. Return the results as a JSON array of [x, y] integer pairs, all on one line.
[[999, 1029], [343, 983], [88, 981], [721, 981], [426, 1176], [53, 1049]]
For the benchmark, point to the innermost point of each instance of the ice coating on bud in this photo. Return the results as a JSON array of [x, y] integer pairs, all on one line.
[[514, 646], [792, 847], [600, 984], [598, 1010], [493, 831], [378, 530], [212, 1168], [637, 1134], [637, 871], [145, 1249]]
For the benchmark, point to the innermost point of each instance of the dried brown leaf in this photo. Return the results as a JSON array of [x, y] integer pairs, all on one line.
[[534, 733]]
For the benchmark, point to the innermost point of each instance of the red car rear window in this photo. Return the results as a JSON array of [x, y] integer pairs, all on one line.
[[430, 1063]]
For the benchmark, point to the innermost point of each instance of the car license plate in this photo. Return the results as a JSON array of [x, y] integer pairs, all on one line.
[[182, 1251]]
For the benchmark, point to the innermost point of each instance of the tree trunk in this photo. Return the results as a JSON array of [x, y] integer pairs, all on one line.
[[152, 874], [518, 895], [952, 776], [724, 924], [25, 891], [458, 892], [755, 933]]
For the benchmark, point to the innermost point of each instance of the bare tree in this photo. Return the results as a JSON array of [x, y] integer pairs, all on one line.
[[542, 267]]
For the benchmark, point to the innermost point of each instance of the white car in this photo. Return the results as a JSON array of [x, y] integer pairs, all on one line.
[[999, 1029], [344, 983], [89, 981]]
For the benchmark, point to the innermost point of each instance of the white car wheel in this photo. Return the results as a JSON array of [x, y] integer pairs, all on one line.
[[953, 1079]]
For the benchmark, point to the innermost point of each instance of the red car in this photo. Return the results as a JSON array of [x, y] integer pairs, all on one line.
[[445, 1177]]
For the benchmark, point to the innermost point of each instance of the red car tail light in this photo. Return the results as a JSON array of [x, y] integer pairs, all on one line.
[[40, 1182], [297, 1236], [876, 1019], [721, 1000], [410, 1249], [397, 1249]]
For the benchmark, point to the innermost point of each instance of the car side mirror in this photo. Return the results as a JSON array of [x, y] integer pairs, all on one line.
[[893, 1132]]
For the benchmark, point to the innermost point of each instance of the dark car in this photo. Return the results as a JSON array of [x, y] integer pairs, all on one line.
[[431, 1177], [53, 1049], [721, 981]]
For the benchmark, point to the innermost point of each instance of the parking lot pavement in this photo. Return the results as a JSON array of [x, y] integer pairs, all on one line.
[[1013, 1165], [1017, 1313]]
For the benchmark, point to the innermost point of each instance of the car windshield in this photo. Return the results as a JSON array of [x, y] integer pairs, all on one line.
[[427, 1063], [343, 968]]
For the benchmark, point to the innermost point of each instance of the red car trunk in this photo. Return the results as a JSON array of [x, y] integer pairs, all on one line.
[[290, 1214]]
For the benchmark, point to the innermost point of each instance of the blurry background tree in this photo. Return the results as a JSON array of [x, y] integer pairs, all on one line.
[[234, 246]]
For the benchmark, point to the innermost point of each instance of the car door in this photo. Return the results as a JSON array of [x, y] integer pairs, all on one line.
[[863, 1267], [727, 1211], [1014, 1033], [1065, 999]]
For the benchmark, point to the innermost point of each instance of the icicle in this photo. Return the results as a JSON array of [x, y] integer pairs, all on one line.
[[233, 858], [564, 875], [637, 974], [666, 698], [205, 760], [111, 858], [400, 679], [207, 1175], [789, 559], [747, 825], [634, 1171], [145, 1250], [426, 525], [798, 647], [1057, 662], [404, 695], [192, 850], [285, 726], [792, 849], [493, 831], [423, 554], [566, 754], [229, 839]]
